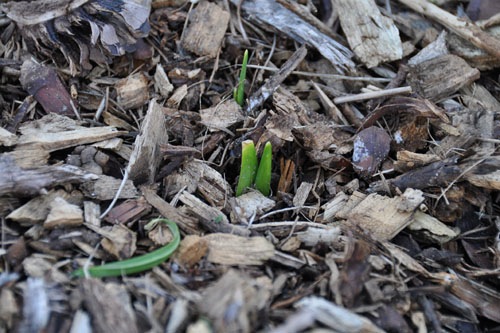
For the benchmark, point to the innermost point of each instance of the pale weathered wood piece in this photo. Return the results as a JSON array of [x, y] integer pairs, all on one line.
[[146, 156], [7, 138], [132, 91], [385, 217], [431, 229], [227, 249], [235, 287], [211, 218], [111, 299], [249, 206], [373, 37], [205, 32], [63, 214], [15, 181], [222, 115], [105, 188], [37, 209], [271, 13], [186, 223]]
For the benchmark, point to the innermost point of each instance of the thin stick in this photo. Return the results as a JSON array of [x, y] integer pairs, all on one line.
[[461, 27], [288, 224], [327, 76], [372, 94], [117, 195]]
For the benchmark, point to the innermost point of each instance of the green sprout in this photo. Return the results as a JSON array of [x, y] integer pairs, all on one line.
[[239, 91], [248, 168], [250, 174], [263, 177], [137, 264]]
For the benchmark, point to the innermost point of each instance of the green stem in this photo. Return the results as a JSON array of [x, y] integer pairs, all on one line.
[[248, 168], [137, 264], [263, 178], [239, 92]]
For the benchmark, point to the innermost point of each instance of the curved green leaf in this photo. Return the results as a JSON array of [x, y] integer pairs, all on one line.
[[137, 264]]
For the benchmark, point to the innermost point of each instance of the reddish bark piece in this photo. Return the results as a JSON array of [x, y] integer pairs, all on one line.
[[482, 9], [371, 147], [43, 83]]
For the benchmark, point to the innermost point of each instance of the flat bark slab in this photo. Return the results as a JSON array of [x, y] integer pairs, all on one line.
[[372, 36], [441, 76], [207, 25]]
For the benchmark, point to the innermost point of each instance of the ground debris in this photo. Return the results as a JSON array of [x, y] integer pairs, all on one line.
[[384, 126]]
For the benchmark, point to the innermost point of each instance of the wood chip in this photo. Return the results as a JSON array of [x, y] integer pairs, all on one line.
[[204, 34], [373, 37], [385, 217], [229, 249], [132, 91], [63, 214], [146, 156], [442, 76]]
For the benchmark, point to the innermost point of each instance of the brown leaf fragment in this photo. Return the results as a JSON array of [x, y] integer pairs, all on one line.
[[118, 240], [391, 320], [482, 9], [204, 35], [17, 252], [43, 83], [371, 147], [354, 273]]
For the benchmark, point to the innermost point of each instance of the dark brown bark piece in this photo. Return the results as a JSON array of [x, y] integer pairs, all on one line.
[[436, 174], [43, 83], [354, 274], [371, 147], [442, 76]]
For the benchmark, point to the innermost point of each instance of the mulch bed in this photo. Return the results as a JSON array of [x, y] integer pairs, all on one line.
[[383, 212]]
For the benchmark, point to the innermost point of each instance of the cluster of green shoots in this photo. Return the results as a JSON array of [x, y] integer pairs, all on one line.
[[253, 173]]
